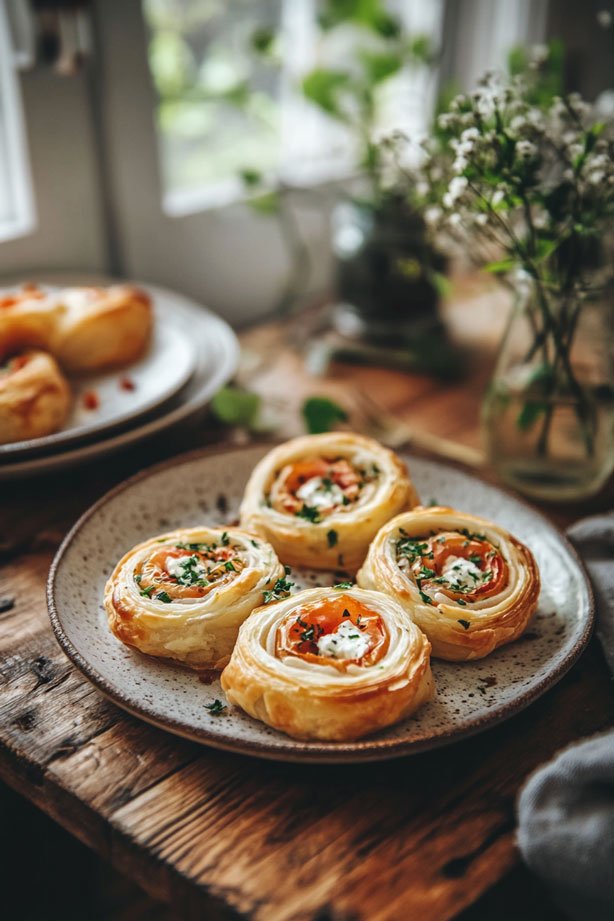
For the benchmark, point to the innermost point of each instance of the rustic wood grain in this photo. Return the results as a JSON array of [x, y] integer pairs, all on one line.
[[224, 836]]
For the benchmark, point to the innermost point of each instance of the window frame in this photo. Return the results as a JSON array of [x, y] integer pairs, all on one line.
[[14, 152]]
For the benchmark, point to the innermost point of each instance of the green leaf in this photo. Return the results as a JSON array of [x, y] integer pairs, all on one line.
[[380, 66], [250, 177], [267, 203], [320, 414], [538, 384], [529, 414], [368, 13], [262, 40], [421, 49], [500, 266], [322, 87], [235, 407]]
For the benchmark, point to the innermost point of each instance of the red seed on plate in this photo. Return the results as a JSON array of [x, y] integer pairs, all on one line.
[[91, 399], [126, 383]]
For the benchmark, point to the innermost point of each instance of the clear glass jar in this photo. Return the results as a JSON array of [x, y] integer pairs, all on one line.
[[548, 415]]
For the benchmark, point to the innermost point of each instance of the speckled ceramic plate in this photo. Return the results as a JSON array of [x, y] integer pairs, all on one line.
[[207, 487]]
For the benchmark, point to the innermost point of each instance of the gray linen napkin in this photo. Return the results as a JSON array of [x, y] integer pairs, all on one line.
[[566, 809]]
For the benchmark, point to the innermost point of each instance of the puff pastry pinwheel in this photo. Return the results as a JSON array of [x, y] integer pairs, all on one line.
[[331, 664], [183, 595], [86, 329], [320, 499], [34, 397], [465, 581]]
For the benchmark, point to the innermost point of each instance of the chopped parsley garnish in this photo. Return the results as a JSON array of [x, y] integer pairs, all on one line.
[[163, 596], [225, 539], [426, 573], [342, 585], [216, 707], [346, 613], [461, 601], [281, 589], [202, 548], [191, 571], [411, 548], [425, 597], [465, 624], [327, 484], [309, 513], [146, 592], [476, 559], [254, 543], [229, 566], [472, 535], [331, 537], [137, 578]]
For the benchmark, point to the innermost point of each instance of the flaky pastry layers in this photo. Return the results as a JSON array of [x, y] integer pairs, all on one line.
[[86, 329], [320, 499], [329, 664], [183, 595], [467, 583], [34, 397]]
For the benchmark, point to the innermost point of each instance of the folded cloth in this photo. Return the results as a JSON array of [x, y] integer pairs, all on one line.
[[566, 809]]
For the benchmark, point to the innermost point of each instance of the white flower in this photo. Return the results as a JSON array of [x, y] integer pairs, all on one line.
[[596, 177], [457, 187], [470, 134], [574, 150], [497, 198], [433, 215], [460, 164], [446, 120], [518, 123], [540, 53], [454, 219], [535, 118], [481, 219], [526, 149]]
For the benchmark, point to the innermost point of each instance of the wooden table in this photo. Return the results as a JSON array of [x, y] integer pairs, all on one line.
[[223, 836]]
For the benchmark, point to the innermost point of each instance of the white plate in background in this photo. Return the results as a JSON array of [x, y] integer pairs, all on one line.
[[216, 353]]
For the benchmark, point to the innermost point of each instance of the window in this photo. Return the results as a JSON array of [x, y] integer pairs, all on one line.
[[223, 108], [16, 205]]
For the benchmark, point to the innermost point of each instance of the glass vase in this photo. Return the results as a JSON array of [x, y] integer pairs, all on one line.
[[548, 415]]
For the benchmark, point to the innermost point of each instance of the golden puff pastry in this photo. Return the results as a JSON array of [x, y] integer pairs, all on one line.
[[184, 595], [98, 328], [86, 329], [27, 320], [330, 663], [465, 581], [320, 499], [34, 397]]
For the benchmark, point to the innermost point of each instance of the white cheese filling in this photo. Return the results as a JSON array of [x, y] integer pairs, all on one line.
[[347, 642], [320, 494], [462, 575], [178, 567]]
